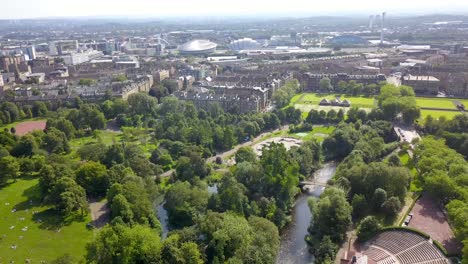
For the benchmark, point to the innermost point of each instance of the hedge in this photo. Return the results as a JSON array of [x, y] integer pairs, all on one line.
[[440, 247]]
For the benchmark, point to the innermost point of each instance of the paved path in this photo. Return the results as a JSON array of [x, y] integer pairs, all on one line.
[[100, 212], [233, 151]]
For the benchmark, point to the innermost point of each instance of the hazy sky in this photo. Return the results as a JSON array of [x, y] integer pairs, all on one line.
[[148, 8]]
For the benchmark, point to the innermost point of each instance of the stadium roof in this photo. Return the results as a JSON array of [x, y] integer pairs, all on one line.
[[198, 45]]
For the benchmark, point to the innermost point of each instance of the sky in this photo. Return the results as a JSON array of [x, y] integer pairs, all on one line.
[[11, 9]]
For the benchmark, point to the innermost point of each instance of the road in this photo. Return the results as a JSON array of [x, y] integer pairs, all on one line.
[[232, 151]]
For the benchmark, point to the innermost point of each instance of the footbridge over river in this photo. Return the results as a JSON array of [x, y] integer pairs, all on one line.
[[312, 183]]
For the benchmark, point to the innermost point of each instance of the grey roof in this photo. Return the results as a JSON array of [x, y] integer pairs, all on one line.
[[244, 44]]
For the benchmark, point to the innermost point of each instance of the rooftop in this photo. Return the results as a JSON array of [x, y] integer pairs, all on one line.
[[420, 78]]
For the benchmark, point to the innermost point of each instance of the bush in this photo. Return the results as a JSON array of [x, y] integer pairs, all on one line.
[[368, 227]]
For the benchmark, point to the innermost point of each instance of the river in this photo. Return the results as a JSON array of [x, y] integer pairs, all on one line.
[[294, 249]]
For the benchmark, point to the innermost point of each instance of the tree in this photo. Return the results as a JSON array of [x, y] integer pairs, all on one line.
[[9, 169], [325, 84], [55, 141], [245, 153], [92, 176], [142, 104], [342, 86], [326, 250], [120, 207], [177, 251], [231, 196], [359, 204], [25, 147], [137, 193], [368, 227], [119, 78], [394, 160], [68, 197], [233, 239], [189, 167], [281, 175], [12, 111], [92, 152], [63, 125], [184, 203], [119, 243], [380, 196], [391, 207], [441, 187], [39, 109], [406, 91], [86, 82], [331, 215]]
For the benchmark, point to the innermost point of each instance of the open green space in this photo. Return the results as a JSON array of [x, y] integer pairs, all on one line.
[[314, 99], [405, 159], [446, 103], [38, 233], [104, 136], [108, 137], [439, 113], [318, 132]]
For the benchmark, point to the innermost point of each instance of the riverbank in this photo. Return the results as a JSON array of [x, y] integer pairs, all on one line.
[[293, 248]]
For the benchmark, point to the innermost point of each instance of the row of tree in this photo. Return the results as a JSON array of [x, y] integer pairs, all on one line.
[[444, 176], [352, 87]]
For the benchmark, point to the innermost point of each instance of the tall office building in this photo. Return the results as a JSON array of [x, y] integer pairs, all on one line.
[[53, 49], [31, 52]]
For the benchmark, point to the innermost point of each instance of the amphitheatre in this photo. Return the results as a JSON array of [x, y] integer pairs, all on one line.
[[397, 247]]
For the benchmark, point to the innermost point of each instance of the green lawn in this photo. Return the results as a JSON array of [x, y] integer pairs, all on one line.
[[438, 113], [110, 137], [296, 98], [319, 133], [416, 185], [439, 102], [105, 136], [323, 130], [41, 241], [314, 99], [308, 101]]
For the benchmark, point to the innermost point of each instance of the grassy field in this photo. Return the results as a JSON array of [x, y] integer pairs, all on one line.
[[308, 101], [439, 102], [108, 137], [36, 230], [319, 133], [438, 113], [314, 99]]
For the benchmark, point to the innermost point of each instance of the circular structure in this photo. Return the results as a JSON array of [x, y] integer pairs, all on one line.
[[244, 44], [198, 46], [401, 247]]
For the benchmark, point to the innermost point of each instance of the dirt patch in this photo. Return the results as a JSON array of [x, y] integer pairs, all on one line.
[[430, 219], [100, 212], [25, 127]]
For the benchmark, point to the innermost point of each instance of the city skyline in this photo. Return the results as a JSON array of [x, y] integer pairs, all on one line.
[[211, 8]]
